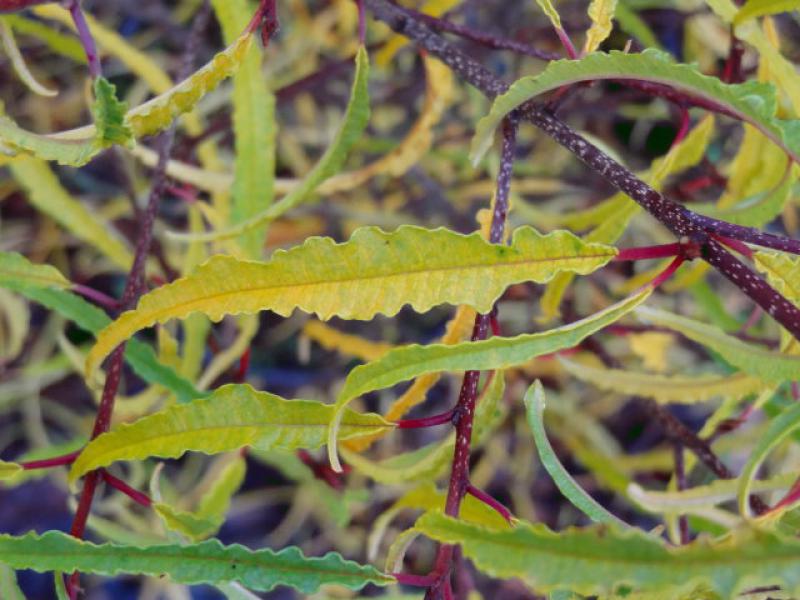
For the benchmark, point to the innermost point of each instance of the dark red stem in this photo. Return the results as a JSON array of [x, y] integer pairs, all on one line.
[[440, 419], [96, 296], [47, 463], [646, 252], [495, 505], [137, 496]]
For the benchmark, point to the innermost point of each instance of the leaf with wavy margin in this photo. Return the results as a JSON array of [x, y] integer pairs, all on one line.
[[601, 12], [759, 8], [232, 417], [206, 562], [596, 560], [753, 102], [495, 353], [374, 272]]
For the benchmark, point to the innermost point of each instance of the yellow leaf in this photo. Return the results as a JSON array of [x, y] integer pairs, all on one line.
[[551, 12], [601, 12], [652, 347], [349, 345], [9, 470], [374, 272]]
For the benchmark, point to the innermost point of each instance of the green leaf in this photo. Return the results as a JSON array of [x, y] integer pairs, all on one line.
[[759, 8], [534, 405], [187, 523], [45, 192], [374, 272], [412, 361], [779, 429], [663, 388], [206, 562], [232, 417], [18, 61], [41, 284], [769, 366], [753, 102], [353, 125], [254, 128], [109, 115], [599, 559]]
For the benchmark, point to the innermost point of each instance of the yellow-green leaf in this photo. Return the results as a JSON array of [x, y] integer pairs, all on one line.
[[16, 270], [662, 388], [759, 8], [782, 271], [495, 353], [18, 61], [601, 12], [374, 272], [355, 121], [232, 417], [9, 470], [770, 366], [551, 12]]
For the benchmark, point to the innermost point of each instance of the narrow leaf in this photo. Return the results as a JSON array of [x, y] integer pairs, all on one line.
[[18, 61], [769, 366], [109, 115], [206, 562], [46, 194], [551, 12], [601, 12], [663, 388], [374, 272], [779, 429], [534, 405], [9, 590], [759, 8], [254, 128], [233, 417], [597, 560], [353, 125], [408, 362], [42, 283], [753, 102]]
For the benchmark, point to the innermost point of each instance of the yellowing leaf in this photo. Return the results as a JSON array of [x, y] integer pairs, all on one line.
[[771, 367], [375, 272], [9, 470], [601, 12], [408, 362], [652, 347], [232, 417], [665, 389], [759, 8], [192, 526], [77, 146], [435, 8], [349, 345], [551, 12], [355, 121], [782, 271], [47, 194]]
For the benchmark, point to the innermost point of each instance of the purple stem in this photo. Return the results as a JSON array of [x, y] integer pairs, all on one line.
[[96, 296], [440, 419], [139, 497], [86, 38]]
